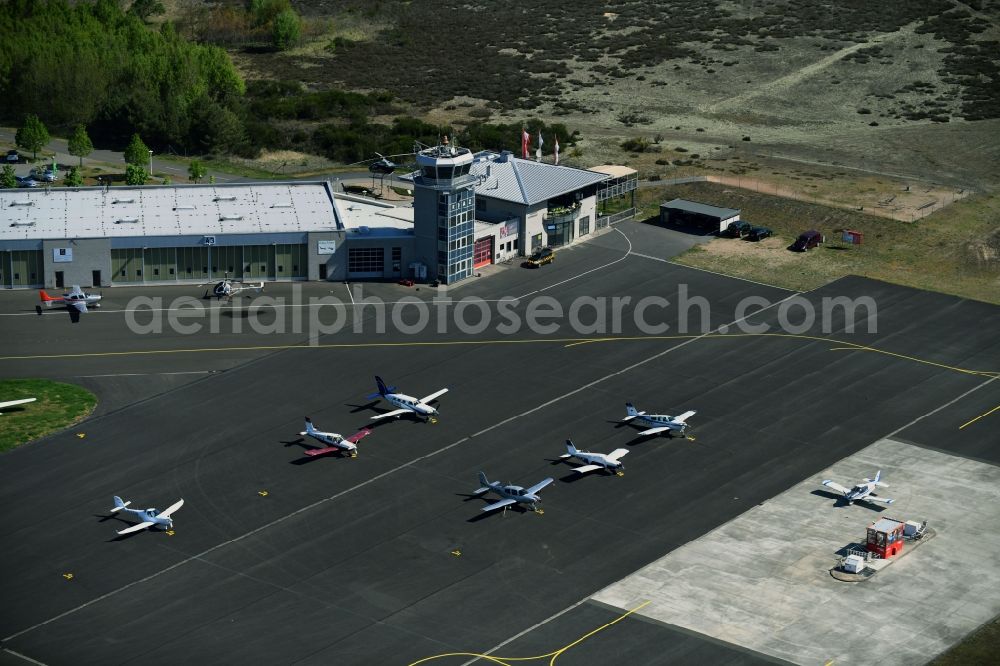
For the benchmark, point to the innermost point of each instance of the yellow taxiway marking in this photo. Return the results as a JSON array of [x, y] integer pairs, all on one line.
[[170, 532], [262, 493], [81, 435], [983, 415], [567, 342], [456, 552], [68, 576], [552, 656]]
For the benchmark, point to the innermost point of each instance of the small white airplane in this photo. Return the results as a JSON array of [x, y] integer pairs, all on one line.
[[406, 404], [228, 288], [74, 299], [149, 517], [609, 461], [11, 403], [863, 491], [512, 494], [659, 422], [333, 441]]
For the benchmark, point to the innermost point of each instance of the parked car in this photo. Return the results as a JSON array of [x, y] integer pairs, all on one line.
[[807, 241], [758, 233], [27, 181], [737, 229], [12, 157], [540, 257]]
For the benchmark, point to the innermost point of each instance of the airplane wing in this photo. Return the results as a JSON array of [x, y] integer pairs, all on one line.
[[395, 412], [833, 485], [872, 498], [324, 450], [654, 431], [136, 528], [170, 509], [587, 468], [81, 306], [11, 403], [633, 416], [685, 416], [501, 503], [359, 435], [617, 454], [538, 486], [434, 396]]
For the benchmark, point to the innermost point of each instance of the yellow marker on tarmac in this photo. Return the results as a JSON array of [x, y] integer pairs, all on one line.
[[456, 553], [170, 532], [81, 435], [68, 576], [262, 493]]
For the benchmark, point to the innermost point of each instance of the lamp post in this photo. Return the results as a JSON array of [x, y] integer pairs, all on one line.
[[150, 163]]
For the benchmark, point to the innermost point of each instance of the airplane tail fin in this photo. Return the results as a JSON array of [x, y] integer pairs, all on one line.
[[881, 484], [119, 504], [570, 448], [309, 426], [44, 297], [382, 390], [630, 409]]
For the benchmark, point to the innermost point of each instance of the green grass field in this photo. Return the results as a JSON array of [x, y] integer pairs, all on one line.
[[58, 406]]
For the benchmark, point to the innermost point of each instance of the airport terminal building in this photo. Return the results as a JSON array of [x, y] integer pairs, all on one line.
[[468, 210]]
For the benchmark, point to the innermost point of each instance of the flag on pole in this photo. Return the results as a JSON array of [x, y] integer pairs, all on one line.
[[525, 141], [557, 150], [538, 151]]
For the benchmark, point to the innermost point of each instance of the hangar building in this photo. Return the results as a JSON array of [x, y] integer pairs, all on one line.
[[692, 213], [468, 210]]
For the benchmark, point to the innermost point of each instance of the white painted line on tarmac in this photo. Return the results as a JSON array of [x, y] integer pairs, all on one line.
[[148, 374], [705, 270]]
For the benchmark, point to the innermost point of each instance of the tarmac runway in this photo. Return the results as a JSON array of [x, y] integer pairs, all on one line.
[[385, 558]]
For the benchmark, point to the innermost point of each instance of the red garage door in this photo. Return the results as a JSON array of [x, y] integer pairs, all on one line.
[[482, 254]]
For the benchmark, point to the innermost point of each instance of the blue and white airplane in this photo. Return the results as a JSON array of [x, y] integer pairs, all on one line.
[[862, 492], [333, 441], [659, 422], [512, 494], [149, 517], [406, 404], [611, 462]]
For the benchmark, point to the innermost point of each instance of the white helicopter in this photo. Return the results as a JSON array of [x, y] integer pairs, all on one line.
[[863, 491], [512, 494], [406, 404], [611, 462], [659, 422], [333, 441], [149, 517], [229, 288]]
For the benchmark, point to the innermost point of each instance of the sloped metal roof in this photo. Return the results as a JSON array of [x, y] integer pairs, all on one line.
[[700, 208], [503, 176], [171, 210]]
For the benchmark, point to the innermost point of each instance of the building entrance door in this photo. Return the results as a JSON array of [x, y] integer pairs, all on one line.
[[483, 252], [60, 280]]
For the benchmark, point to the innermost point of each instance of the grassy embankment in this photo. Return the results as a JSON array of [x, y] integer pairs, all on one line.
[[955, 250], [58, 406]]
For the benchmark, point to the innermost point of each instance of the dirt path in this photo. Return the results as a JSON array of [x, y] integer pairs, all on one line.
[[789, 80]]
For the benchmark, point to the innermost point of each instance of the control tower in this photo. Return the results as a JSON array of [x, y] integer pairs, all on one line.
[[444, 210]]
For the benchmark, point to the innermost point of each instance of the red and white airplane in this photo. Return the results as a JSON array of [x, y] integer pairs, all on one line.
[[74, 299], [333, 441]]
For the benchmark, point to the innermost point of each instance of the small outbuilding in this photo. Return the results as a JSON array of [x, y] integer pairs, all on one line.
[[695, 214]]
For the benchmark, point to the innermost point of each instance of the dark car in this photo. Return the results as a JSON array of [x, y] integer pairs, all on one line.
[[758, 233], [807, 241], [540, 257], [737, 229], [27, 181], [12, 157]]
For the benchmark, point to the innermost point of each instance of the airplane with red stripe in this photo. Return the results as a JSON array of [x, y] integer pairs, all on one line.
[[334, 442]]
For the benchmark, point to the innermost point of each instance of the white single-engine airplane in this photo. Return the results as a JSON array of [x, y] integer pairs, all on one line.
[[660, 422], [228, 288], [12, 403], [333, 441], [406, 404], [861, 492], [612, 462], [512, 494], [74, 299], [149, 517]]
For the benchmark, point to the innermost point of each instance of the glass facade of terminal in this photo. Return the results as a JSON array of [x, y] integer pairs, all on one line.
[[456, 213]]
